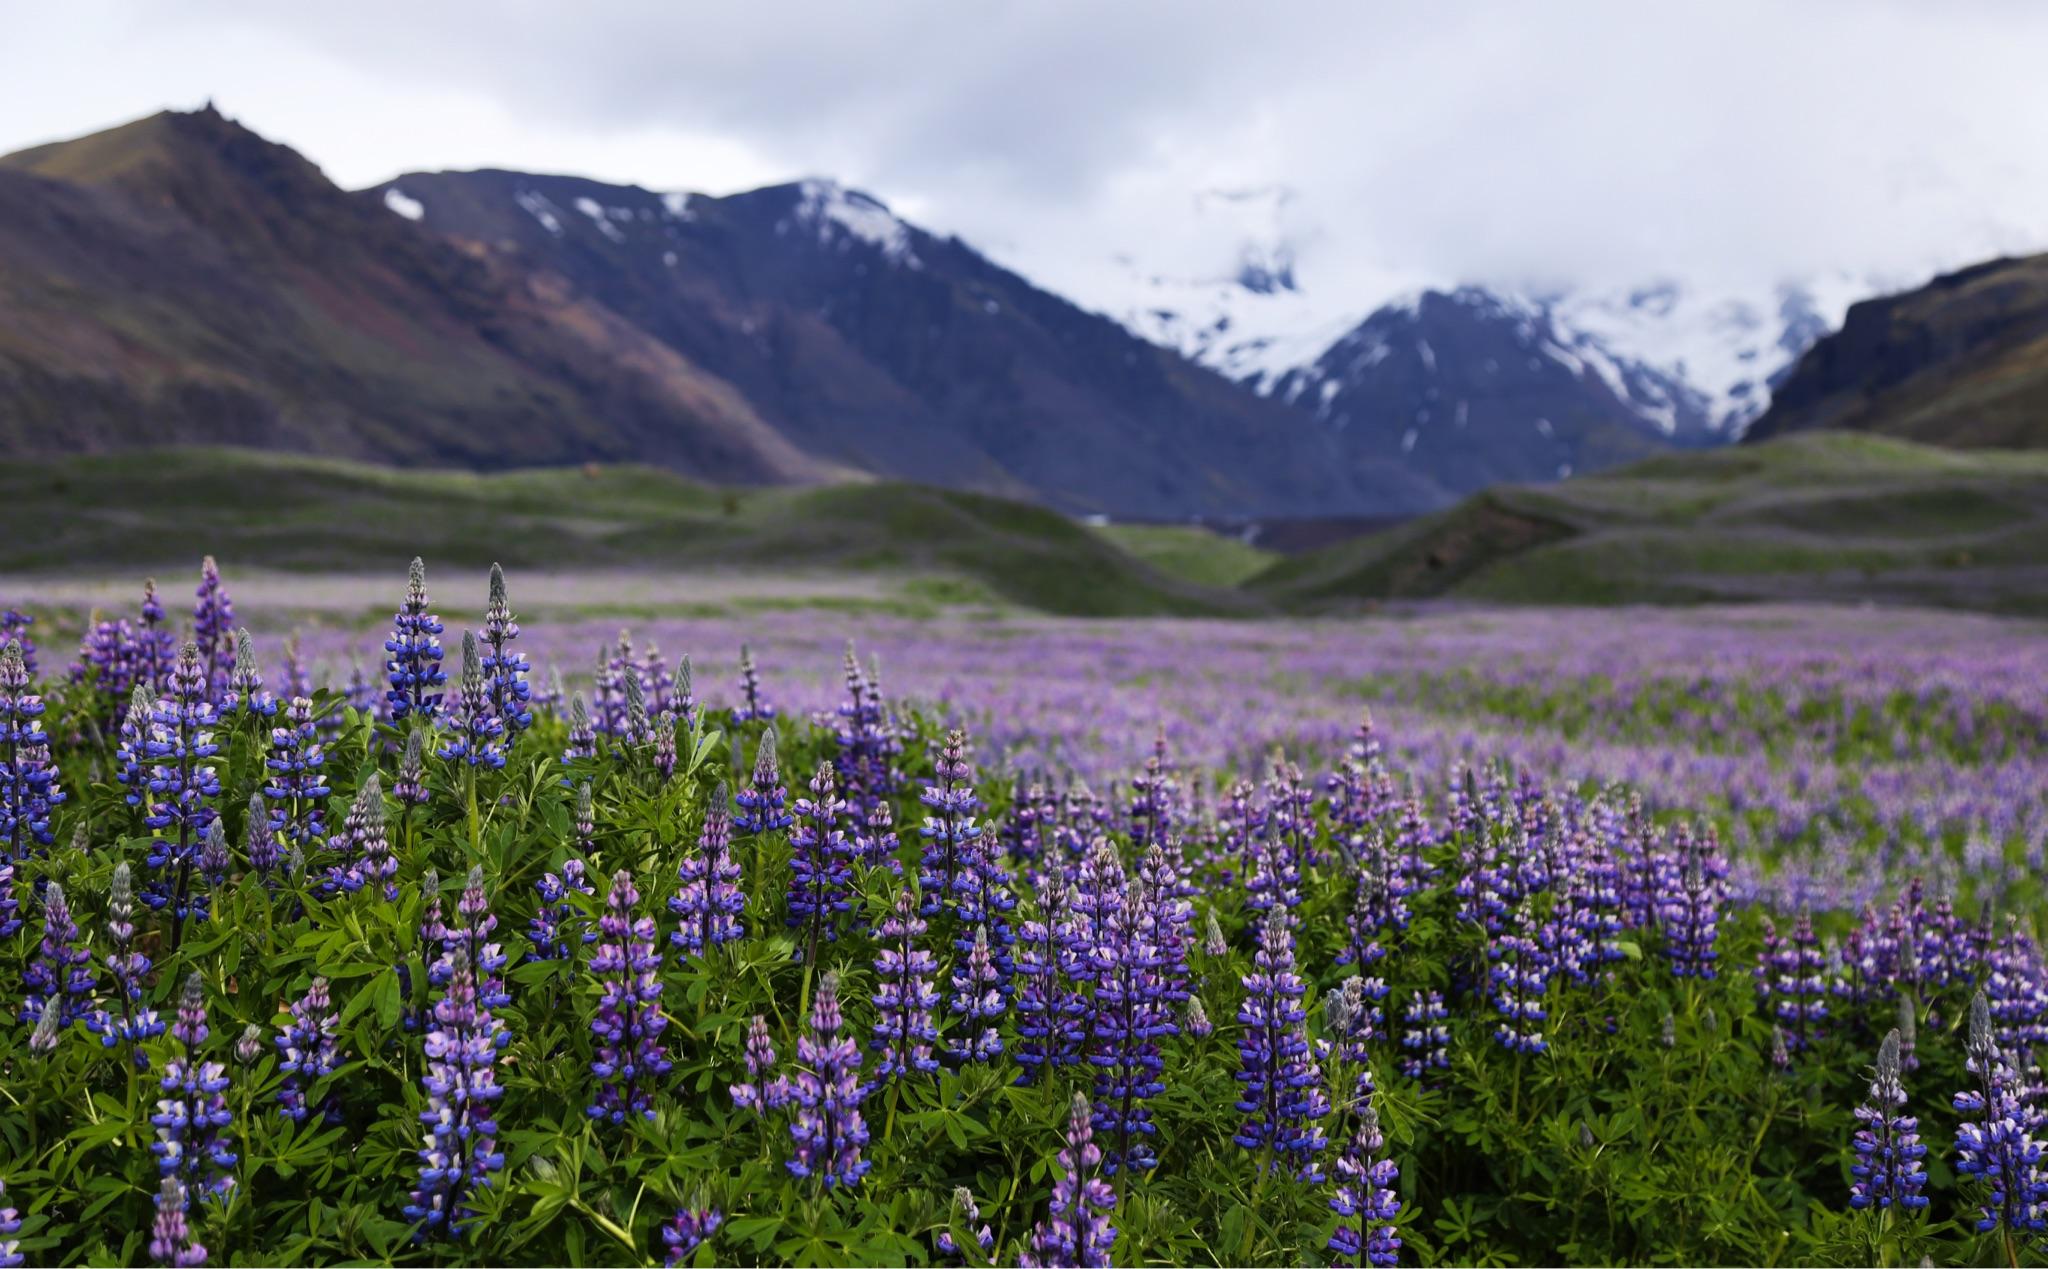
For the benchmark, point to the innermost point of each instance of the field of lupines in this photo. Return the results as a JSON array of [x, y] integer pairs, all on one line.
[[1674, 940]]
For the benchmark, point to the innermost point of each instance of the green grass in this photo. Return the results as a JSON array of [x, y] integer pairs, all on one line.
[[1190, 552], [164, 508], [1829, 516]]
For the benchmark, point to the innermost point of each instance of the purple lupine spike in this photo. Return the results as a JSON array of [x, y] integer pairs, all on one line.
[[1425, 1041], [505, 671], [1688, 908], [1790, 982], [60, 974], [826, 1125], [44, 1038], [665, 749], [214, 857], [245, 682], [1283, 1096], [615, 668], [869, 740], [629, 1021], [762, 799], [296, 780], [411, 786], [638, 729], [171, 1239], [461, 1085], [477, 736], [367, 858], [1367, 1198], [259, 840], [586, 819], [1887, 1171], [308, 1052], [582, 732], [1052, 1015], [552, 929], [249, 1046], [1519, 976], [1168, 922], [156, 652], [10, 906], [10, 1225], [760, 1093], [753, 706], [182, 786], [1379, 907], [1996, 1143], [656, 683], [192, 1117], [682, 699], [949, 831], [963, 1203], [412, 664], [469, 940], [28, 783], [875, 844], [819, 874], [131, 753], [689, 1229], [977, 1000], [213, 630], [710, 903], [107, 668], [1133, 1011], [1076, 1229], [905, 996]]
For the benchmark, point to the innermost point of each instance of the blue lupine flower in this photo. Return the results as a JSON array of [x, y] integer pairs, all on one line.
[[296, 784], [753, 706], [505, 671], [171, 1240], [759, 1093], [819, 874], [688, 1230], [413, 666], [308, 1052], [192, 1117], [1133, 1012], [245, 682], [1367, 1198], [963, 1203], [905, 995], [762, 798], [1519, 976], [127, 967], [1283, 1090], [977, 1000], [826, 1091], [551, 929], [1076, 1229], [411, 786], [1790, 982], [1887, 1146], [1052, 1015], [1688, 908], [60, 974], [629, 1020], [1996, 1142], [869, 740], [10, 1225], [1425, 1041], [709, 904], [477, 736], [181, 787], [28, 785], [213, 630]]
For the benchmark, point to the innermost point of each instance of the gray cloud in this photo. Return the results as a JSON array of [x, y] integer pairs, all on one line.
[[1500, 141]]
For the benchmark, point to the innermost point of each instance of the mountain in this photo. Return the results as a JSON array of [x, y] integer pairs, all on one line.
[[181, 279], [883, 347], [1960, 361]]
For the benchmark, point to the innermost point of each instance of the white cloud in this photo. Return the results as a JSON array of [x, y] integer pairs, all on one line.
[[1732, 142]]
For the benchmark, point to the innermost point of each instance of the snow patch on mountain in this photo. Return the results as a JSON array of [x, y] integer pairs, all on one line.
[[847, 215], [404, 205]]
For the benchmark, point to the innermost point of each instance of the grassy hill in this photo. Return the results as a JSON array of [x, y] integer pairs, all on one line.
[[163, 509], [1821, 516]]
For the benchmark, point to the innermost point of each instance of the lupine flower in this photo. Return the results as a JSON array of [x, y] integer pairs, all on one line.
[[259, 840], [868, 739], [977, 1000], [657, 685], [308, 1052], [586, 818], [44, 1039], [1995, 1141], [949, 830], [582, 732], [181, 786], [245, 682], [213, 630], [550, 929], [826, 1124], [1195, 1019], [904, 995], [192, 1117], [127, 967], [753, 706], [249, 1046], [875, 844], [171, 1240], [1052, 1015], [131, 753], [710, 903], [629, 1020], [60, 974], [10, 1225], [1520, 975], [1076, 1229], [682, 700], [107, 667], [819, 875], [1688, 911], [665, 753], [156, 648], [297, 682], [760, 1094], [688, 1230], [1426, 1040], [28, 786], [616, 667], [1366, 1198], [367, 859], [1887, 1169], [413, 666], [477, 735], [461, 1152], [1283, 1090], [1790, 983], [411, 786], [214, 858], [505, 671], [296, 784], [964, 1205], [762, 798], [1133, 1012], [363, 696]]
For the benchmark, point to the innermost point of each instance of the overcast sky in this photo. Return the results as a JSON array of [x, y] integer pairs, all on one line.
[[1516, 142]]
